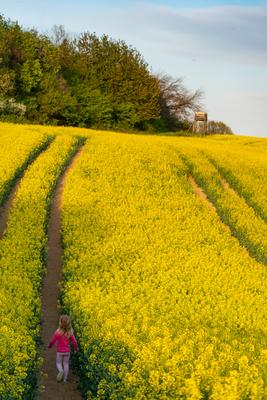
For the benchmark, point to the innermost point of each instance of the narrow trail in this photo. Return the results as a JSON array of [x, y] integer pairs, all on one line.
[[4, 210], [227, 187], [231, 183], [200, 193], [48, 387]]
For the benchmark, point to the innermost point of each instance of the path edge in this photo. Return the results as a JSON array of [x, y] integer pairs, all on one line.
[[77, 147]]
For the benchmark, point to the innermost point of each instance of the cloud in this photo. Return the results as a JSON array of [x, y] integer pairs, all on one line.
[[234, 34], [231, 33]]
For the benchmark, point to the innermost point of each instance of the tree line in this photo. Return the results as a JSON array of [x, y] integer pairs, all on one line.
[[86, 81]]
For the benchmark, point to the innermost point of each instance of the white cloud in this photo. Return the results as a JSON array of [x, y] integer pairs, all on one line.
[[233, 33]]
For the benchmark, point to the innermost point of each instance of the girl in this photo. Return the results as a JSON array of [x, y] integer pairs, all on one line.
[[63, 336]]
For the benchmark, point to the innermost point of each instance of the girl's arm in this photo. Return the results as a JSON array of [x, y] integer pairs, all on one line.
[[53, 340], [74, 342]]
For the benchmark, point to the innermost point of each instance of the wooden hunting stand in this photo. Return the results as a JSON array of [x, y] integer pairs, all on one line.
[[201, 123]]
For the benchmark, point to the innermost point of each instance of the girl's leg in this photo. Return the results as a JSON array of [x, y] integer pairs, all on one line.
[[59, 360], [66, 360]]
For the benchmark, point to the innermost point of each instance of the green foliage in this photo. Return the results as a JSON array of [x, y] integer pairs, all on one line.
[[121, 75], [93, 108], [218, 128], [6, 82], [30, 75], [88, 81]]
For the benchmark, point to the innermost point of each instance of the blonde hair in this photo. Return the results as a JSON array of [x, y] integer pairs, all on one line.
[[65, 327]]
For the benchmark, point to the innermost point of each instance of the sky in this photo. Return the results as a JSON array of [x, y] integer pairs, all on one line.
[[218, 46]]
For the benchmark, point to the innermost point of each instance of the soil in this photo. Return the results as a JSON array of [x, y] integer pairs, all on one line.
[[4, 210], [226, 186], [6, 206], [48, 387], [200, 193]]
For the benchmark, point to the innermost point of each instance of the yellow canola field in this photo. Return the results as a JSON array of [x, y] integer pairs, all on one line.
[[245, 224], [22, 253], [17, 147], [244, 164], [165, 302]]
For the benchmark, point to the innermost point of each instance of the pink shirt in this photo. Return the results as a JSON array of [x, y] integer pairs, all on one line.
[[63, 342]]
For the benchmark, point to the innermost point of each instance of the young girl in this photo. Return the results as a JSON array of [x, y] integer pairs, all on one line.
[[63, 336]]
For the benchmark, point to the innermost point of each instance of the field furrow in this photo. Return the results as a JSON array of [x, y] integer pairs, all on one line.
[[164, 264], [244, 223], [22, 255], [246, 174], [48, 387], [165, 301], [18, 149]]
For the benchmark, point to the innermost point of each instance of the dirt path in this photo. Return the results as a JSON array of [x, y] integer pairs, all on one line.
[[227, 187], [48, 387], [4, 210], [200, 193]]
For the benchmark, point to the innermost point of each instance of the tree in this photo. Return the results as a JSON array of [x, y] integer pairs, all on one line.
[[87, 81], [177, 103], [93, 107], [119, 72], [218, 128], [6, 82]]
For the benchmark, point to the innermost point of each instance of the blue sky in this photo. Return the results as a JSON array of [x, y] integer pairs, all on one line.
[[219, 46]]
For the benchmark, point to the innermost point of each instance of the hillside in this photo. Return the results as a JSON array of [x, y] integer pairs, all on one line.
[[164, 243]]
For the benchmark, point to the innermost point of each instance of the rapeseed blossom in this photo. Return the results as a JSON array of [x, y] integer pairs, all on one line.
[[22, 264], [243, 220], [13, 158], [166, 302]]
